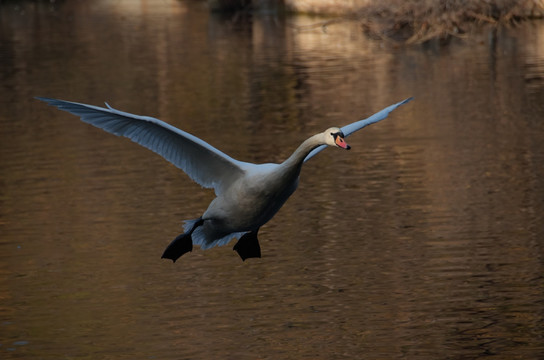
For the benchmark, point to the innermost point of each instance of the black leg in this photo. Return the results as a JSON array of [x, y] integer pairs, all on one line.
[[181, 244], [248, 246]]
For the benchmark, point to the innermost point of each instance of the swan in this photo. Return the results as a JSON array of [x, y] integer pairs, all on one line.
[[247, 195]]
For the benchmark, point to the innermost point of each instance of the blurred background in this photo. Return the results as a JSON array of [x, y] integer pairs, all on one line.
[[425, 241]]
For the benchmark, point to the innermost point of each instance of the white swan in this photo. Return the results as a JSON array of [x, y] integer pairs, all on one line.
[[247, 195]]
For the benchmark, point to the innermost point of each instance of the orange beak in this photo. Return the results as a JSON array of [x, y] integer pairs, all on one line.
[[341, 143]]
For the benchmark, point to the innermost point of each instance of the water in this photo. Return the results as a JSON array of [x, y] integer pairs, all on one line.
[[425, 241]]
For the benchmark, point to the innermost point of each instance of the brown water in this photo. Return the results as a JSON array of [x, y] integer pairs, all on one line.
[[423, 242]]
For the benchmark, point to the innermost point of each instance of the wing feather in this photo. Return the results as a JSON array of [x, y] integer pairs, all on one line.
[[203, 163], [358, 125]]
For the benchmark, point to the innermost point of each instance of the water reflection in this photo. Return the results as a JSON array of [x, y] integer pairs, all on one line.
[[425, 241]]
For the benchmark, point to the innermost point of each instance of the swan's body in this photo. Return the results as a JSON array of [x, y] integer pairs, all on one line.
[[248, 195]]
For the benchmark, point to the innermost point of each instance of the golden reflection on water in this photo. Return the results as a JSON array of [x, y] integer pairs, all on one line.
[[424, 241]]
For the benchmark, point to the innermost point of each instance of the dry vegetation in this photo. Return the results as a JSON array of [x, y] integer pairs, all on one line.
[[416, 21]]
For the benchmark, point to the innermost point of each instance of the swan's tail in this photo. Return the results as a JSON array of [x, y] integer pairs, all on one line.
[[196, 234], [203, 237]]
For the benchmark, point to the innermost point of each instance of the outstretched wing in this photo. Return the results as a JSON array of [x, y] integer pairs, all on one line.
[[203, 163], [358, 125]]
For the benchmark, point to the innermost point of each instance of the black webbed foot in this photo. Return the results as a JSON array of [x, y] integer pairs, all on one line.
[[248, 246], [182, 244]]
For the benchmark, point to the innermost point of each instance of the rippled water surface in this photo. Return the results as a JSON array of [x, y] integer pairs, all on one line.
[[425, 241]]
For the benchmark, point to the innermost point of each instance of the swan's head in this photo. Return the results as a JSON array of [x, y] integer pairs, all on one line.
[[335, 137]]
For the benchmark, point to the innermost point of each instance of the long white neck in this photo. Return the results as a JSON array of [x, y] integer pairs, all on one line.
[[296, 159]]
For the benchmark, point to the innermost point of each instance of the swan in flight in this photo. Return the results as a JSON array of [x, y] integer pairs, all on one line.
[[247, 195]]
